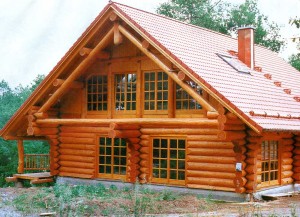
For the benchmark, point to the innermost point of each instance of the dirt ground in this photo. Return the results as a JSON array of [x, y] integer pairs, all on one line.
[[188, 206]]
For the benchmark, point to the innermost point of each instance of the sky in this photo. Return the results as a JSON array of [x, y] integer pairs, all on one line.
[[35, 34]]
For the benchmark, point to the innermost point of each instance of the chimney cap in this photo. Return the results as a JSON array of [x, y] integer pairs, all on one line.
[[246, 27]]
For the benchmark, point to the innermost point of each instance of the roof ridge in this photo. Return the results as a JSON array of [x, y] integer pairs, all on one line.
[[173, 19]]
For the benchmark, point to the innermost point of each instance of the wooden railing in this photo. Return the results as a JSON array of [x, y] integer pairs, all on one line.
[[36, 162]]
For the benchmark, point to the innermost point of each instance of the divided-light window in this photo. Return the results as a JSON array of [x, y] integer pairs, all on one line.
[[184, 100], [125, 91], [97, 93], [156, 91], [269, 160]]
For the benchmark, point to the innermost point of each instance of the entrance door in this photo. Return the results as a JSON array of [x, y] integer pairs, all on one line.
[[112, 158]]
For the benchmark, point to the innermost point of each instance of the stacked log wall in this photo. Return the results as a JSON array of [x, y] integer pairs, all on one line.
[[287, 159], [233, 130], [77, 150], [296, 159]]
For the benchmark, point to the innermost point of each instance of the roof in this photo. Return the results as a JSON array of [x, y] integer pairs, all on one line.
[[253, 96]]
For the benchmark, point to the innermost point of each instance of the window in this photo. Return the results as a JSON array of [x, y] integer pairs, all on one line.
[[97, 93], [125, 92], [156, 91], [112, 157], [168, 160], [184, 100], [269, 160]]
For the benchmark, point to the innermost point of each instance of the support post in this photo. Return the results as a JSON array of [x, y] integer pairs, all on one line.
[[21, 156]]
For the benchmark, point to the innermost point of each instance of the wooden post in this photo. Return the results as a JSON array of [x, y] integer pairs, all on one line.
[[171, 101], [21, 156]]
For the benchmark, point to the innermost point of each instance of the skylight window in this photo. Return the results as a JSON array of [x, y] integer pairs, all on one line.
[[235, 63]]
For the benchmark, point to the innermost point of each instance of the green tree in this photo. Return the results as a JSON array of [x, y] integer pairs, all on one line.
[[294, 60], [10, 101], [225, 18]]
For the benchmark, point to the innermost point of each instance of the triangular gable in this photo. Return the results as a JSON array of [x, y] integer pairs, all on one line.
[[46, 87]]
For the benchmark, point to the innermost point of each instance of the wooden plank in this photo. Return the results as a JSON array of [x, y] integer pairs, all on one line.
[[40, 181]]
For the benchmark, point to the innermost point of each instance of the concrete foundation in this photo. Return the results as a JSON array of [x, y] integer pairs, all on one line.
[[215, 195], [277, 190]]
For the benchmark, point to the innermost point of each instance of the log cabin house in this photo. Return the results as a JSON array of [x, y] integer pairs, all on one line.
[[144, 97]]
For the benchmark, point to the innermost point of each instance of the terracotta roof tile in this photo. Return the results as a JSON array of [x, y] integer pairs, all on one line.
[[197, 48]]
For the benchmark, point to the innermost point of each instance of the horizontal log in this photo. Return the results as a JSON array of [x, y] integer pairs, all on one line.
[[145, 170], [72, 140], [210, 152], [296, 169], [124, 134], [40, 181], [202, 138], [287, 142], [209, 187], [286, 167], [286, 181], [211, 181], [74, 164], [251, 153], [257, 140], [287, 148], [77, 135], [231, 135], [296, 157], [133, 140], [209, 144], [74, 85], [296, 176], [144, 143], [251, 185], [224, 119], [221, 110], [239, 182], [296, 151], [251, 168], [287, 154], [63, 151], [41, 115], [76, 170], [251, 161], [144, 163], [145, 137], [296, 163], [76, 175], [41, 131], [210, 167], [145, 150], [209, 159], [240, 157], [231, 127], [253, 146], [212, 114], [240, 190], [79, 129], [78, 146], [199, 122], [191, 131], [124, 126], [210, 174], [238, 149], [287, 161], [11, 179], [286, 174], [251, 177], [297, 144]]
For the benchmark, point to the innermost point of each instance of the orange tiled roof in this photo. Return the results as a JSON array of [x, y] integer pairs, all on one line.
[[260, 97]]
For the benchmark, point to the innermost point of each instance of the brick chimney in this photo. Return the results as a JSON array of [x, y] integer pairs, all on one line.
[[246, 46]]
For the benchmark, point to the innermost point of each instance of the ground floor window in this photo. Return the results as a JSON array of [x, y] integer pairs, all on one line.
[[112, 157], [269, 160], [168, 164]]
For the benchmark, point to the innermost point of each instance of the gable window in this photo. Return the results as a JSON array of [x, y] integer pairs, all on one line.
[[97, 93], [184, 100], [112, 157], [269, 160], [125, 91], [168, 164], [156, 91]]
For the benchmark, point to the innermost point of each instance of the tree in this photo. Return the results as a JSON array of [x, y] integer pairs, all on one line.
[[294, 60], [225, 18]]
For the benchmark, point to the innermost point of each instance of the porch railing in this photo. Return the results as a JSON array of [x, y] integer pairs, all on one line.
[[36, 162]]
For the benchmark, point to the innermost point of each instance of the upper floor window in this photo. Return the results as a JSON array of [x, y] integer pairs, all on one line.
[[125, 91], [156, 91], [184, 100], [97, 93]]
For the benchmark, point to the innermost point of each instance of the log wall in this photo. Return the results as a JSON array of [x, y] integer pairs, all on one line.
[[296, 159]]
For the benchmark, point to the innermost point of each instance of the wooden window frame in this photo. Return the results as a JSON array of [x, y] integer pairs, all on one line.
[[87, 95], [155, 111], [167, 180], [270, 183], [119, 113], [111, 175]]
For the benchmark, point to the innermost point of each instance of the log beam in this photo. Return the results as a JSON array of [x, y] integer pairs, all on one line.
[[118, 39], [167, 70], [79, 69], [21, 156], [74, 84], [100, 55]]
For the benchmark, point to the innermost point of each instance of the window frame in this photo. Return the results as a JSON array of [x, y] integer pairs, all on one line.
[[111, 175], [279, 163], [167, 180]]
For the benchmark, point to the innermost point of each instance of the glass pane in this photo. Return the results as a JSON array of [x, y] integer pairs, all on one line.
[[173, 174]]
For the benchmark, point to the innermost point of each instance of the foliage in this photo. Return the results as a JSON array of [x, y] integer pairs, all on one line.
[[294, 60], [225, 18], [10, 101]]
